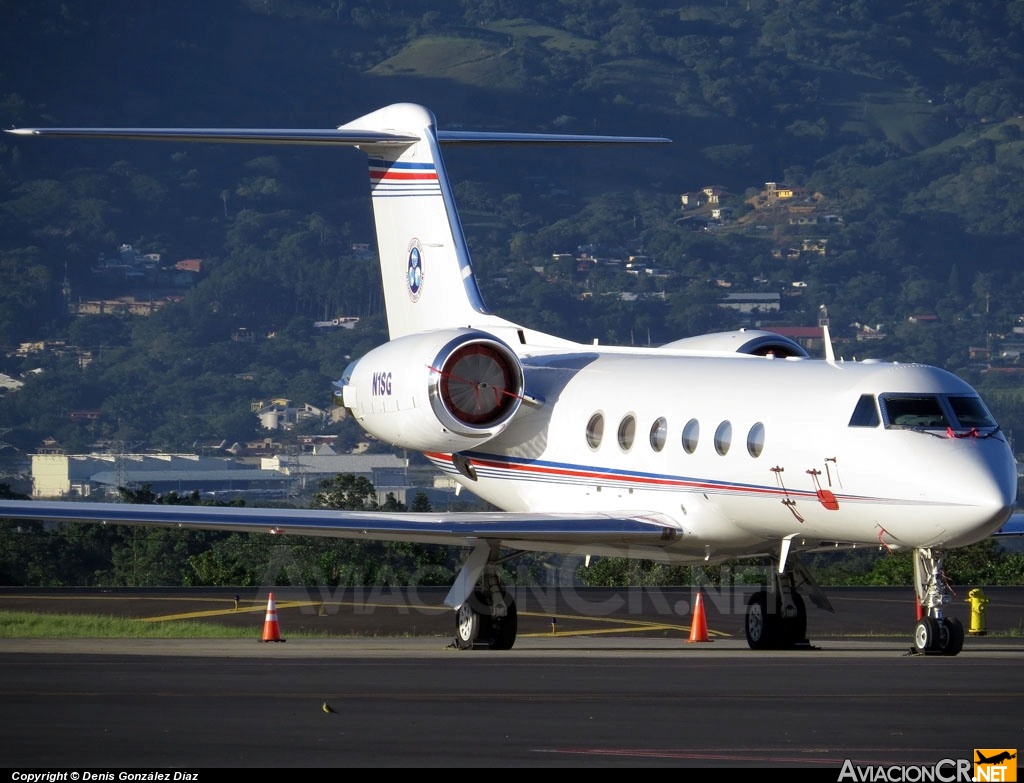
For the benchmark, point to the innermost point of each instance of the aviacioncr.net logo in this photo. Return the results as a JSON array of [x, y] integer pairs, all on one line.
[[945, 771], [995, 764]]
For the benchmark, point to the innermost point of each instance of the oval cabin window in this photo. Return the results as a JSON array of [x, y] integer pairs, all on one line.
[[595, 430]]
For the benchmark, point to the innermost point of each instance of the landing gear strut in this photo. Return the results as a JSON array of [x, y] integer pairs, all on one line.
[[486, 617], [934, 633], [777, 617]]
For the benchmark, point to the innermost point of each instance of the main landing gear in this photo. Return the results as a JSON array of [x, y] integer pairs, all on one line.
[[485, 615], [934, 633], [777, 617], [487, 621], [774, 622]]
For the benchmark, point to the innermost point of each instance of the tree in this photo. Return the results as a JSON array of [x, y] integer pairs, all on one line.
[[421, 503], [346, 491], [99, 331], [391, 503], [240, 559]]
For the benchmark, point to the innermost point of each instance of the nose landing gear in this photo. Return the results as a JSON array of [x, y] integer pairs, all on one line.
[[934, 633]]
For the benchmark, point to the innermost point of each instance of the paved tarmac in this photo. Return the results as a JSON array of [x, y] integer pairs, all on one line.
[[664, 612], [611, 687]]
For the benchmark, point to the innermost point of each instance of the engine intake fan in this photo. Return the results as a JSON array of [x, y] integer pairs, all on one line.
[[436, 391]]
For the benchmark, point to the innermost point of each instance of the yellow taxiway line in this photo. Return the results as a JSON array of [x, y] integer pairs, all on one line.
[[616, 625]]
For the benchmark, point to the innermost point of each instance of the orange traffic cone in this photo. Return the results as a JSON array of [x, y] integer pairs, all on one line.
[[699, 627], [271, 630]]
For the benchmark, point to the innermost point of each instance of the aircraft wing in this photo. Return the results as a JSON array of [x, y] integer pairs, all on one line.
[[450, 529]]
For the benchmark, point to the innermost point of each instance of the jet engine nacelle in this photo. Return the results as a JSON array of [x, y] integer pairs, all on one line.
[[755, 342], [446, 391]]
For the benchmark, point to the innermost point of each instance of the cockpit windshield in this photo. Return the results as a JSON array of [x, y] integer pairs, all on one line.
[[971, 411], [957, 412], [922, 411]]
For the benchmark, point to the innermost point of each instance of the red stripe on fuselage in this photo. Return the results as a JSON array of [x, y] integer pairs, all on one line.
[[540, 470]]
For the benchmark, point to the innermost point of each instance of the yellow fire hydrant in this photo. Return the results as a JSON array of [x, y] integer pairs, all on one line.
[[978, 601]]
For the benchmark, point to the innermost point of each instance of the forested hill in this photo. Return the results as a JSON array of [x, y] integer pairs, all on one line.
[[899, 121]]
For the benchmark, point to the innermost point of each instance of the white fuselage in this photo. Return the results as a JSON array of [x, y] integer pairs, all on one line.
[[786, 463]]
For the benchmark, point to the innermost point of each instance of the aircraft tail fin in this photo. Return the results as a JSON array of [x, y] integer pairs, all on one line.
[[427, 273]]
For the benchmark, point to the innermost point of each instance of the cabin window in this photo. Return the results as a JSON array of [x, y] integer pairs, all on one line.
[[627, 431], [595, 430], [755, 440], [723, 438], [691, 434], [922, 411], [866, 412], [659, 432]]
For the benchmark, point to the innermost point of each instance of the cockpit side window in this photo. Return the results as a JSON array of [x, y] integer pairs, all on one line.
[[922, 411], [971, 412], [866, 412]]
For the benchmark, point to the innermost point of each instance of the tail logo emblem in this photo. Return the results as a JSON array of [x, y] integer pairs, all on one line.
[[414, 271]]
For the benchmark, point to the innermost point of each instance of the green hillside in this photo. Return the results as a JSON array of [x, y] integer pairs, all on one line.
[[901, 123]]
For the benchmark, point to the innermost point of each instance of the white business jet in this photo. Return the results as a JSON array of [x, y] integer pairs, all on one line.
[[706, 449]]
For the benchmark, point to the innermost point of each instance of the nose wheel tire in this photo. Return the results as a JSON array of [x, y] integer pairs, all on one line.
[[926, 635], [938, 637], [952, 640]]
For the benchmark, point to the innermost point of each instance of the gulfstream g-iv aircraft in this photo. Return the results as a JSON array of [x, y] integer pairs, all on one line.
[[706, 449]]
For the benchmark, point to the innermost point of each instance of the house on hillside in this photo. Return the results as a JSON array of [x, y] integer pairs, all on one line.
[[281, 414], [777, 191], [748, 302], [714, 193]]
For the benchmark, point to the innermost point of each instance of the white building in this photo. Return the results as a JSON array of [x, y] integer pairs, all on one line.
[[82, 475]]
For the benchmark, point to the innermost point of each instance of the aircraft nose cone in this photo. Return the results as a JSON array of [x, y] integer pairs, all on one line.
[[1004, 473], [989, 487]]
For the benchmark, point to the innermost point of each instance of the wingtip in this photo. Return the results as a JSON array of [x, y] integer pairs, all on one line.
[[21, 131]]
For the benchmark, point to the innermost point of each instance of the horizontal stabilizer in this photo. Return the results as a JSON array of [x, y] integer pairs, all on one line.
[[341, 138], [479, 137]]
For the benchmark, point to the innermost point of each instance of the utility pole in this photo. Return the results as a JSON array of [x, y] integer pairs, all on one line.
[[120, 469]]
